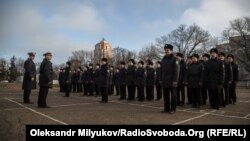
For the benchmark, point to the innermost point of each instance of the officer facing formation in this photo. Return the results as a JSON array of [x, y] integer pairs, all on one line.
[[169, 78], [45, 80], [29, 79]]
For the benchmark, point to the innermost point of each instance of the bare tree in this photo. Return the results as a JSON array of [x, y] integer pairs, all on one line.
[[150, 52], [185, 39], [121, 54], [238, 35], [3, 69], [81, 58]]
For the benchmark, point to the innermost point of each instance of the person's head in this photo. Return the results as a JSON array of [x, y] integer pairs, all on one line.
[[111, 67], [195, 58], [168, 49], [68, 64], [131, 62], [32, 55], [90, 66], [179, 56], [214, 53], [205, 57], [122, 64], [48, 55], [97, 66], [158, 64], [117, 70], [104, 61], [230, 58], [222, 56], [150, 64], [189, 60], [140, 64]]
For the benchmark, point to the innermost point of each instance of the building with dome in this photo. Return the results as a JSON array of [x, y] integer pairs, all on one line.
[[102, 50]]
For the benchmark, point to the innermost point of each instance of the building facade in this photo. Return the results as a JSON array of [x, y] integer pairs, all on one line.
[[103, 49]]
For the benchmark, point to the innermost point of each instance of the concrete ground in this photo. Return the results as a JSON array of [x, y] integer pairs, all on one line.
[[84, 110]]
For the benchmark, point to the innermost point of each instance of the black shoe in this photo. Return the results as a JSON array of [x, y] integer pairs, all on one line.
[[163, 111], [171, 112], [28, 102], [43, 106]]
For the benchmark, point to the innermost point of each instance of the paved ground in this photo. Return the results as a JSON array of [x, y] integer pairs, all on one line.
[[76, 109]]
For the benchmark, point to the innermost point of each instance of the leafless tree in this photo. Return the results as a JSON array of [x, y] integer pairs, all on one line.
[[238, 35], [150, 52], [121, 54], [81, 58], [185, 39]]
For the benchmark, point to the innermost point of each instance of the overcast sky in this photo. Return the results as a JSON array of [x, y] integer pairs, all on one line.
[[63, 26]]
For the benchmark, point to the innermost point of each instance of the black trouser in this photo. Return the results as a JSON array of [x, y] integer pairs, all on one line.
[[224, 95], [111, 89], [123, 92], [180, 94], [67, 89], [189, 96], [232, 93], [204, 95], [74, 85], [169, 95], [131, 92], [79, 87], [85, 89], [196, 95], [90, 88], [104, 94], [158, 92], [43, 92], [140, 93], [117, 89], [215, 97], [26, 96], [97, 90], [150, 93], [61, 86]]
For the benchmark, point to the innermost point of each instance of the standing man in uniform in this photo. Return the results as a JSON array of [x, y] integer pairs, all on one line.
[[204, 90], [181, 86], [157, 81], [214, 72], [45, 80], [232, 87], [130, 79], [169, 78], [29, 79], [104, 80], [67, 79], [122, 81]]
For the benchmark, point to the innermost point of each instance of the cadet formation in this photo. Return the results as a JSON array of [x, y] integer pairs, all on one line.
[[194, 80]]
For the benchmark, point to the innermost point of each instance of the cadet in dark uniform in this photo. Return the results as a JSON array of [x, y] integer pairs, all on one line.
[[74, 80], [157, 81], [232, 87], [122, 80], [181, 86], [227, 80], [90, 80], [169, 77], [104, 80], [29, 78], [150, 78], [214, 72], [140, 81], [67, 79], [78, 80], [111, 81], [45, 80], [116, 81], [84, 81], [194, 80], [60, 80], [130, 79], [189, 95], [204, 90], [97, 79]]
